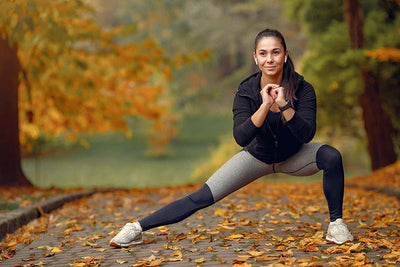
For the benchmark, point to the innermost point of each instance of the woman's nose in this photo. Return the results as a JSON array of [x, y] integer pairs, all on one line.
[[269, 58]]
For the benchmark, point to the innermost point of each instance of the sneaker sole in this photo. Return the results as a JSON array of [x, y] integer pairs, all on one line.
[[134, 242], [333, 240]]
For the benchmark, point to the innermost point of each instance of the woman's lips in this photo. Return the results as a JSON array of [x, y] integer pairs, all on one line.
[[270, 67]]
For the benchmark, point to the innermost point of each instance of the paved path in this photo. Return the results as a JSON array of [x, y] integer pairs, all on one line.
[[262, 224]]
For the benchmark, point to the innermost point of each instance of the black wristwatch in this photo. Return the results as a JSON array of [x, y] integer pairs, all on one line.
[[285, 107]]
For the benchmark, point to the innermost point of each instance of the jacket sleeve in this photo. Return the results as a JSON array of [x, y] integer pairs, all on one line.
[[303, 124], [244, 129]]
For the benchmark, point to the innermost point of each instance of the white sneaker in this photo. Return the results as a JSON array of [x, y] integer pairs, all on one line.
[[130, 234], [338, 232]]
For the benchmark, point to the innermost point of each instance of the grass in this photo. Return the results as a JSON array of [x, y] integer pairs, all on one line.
[[115, 161]]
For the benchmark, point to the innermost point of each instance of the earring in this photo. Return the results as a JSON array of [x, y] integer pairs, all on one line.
[[256, 61], [285, 59]]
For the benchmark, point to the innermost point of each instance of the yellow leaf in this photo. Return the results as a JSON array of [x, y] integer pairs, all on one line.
[[45, 247], [220, 212], [255, 253], [156, 262], [237, 236], [290, 238], [201, 260], [11, 244], [243, 264], [151, 258], [212, 249], [121, 261], [56, 250]]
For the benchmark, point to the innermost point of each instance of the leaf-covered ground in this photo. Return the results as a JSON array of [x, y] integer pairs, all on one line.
[[260, 225], [386, 177]]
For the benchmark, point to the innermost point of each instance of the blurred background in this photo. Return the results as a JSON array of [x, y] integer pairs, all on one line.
[[138, 93]]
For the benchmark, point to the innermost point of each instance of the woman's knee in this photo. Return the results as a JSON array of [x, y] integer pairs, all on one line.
[[328, 157], [202, 196]]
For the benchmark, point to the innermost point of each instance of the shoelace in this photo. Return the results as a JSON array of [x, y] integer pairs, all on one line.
[[341, 228]]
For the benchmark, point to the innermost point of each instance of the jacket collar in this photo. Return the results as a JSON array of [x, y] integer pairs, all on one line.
[[250, 87]]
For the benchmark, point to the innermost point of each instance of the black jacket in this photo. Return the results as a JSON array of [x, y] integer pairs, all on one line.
[[290, 136]]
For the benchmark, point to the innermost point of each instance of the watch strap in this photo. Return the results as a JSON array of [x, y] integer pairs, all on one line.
[[285, 107]]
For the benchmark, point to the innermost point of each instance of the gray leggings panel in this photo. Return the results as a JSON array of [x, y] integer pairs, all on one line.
[[243, 168]]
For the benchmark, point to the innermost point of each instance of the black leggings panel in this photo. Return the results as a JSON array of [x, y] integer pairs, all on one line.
[[330, 161], [179, 209]]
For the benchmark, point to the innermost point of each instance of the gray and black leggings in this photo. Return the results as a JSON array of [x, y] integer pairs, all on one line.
[[243, 168]]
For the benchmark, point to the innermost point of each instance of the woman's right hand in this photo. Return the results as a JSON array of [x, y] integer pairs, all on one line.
[[265, 94]]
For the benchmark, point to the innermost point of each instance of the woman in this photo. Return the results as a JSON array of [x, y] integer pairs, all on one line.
[[274, 119]]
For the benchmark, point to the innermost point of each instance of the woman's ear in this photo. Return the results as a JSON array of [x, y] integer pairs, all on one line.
[[255, 58]]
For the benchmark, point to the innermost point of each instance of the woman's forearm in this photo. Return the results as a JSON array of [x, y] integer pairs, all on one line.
[[259, 116]]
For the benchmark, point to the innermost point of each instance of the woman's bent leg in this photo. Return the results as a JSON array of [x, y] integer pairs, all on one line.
[[330, 160], [237, 172], [310, 159]]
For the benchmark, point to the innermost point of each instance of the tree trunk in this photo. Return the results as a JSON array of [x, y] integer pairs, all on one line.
[[10, 158], [377, 124], [225, 64]]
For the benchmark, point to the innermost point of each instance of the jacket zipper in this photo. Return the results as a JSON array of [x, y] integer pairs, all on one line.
[[275, 143]]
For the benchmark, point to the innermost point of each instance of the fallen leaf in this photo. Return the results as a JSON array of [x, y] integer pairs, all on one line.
[[212, 249], [30, 259], [201, 260], [221, 260], [56, 250]]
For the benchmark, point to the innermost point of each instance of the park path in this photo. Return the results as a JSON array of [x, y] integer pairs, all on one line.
[[262, 224]]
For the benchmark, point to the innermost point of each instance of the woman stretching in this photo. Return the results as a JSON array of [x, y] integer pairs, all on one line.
[[274, 119]]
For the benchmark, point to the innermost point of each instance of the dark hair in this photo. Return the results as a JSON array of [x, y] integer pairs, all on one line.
[[288, 76]]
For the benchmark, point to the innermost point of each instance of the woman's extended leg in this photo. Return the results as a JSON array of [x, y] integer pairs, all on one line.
[[237, 172]]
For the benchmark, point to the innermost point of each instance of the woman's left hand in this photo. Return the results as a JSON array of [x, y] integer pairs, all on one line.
[[278, 94]]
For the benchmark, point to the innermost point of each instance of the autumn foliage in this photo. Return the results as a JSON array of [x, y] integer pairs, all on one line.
[[384, 54], [388, 177], [78, 77]]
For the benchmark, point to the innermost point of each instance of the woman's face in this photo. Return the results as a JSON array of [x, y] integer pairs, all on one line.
[[270, 56]]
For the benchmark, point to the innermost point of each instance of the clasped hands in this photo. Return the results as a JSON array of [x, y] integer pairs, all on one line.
[[273, 93]]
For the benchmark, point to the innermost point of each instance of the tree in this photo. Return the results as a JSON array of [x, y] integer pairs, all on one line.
[[10, 160], [338, 65], [68, 76], [376, 121]]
